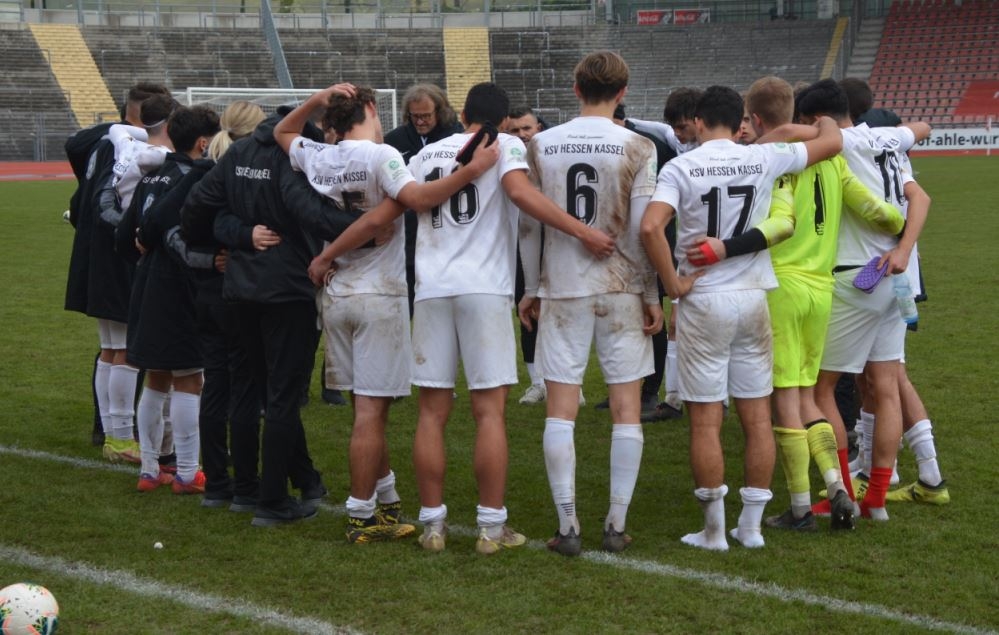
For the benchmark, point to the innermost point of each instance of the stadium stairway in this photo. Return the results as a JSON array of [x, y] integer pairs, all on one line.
[[834, 46], [75, 71], [865, 48], [466, 59]]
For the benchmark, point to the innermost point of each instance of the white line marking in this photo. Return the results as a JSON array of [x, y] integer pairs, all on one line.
[[773, 591], [151, 588], [716, 580]]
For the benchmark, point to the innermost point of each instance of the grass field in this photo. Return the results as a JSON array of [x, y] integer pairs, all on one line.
[[76, 525]]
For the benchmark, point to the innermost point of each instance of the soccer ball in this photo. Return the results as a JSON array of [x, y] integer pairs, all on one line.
[[28, 609]]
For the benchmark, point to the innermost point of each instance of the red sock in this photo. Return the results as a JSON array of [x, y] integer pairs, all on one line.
[[844, 468], [877, 487]]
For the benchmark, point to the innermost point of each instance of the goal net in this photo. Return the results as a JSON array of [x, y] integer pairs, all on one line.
[[270, 98]]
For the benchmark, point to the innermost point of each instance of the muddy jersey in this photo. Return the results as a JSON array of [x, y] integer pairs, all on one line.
[[721, 189], [467, 244], [359, 175], [603, 174]]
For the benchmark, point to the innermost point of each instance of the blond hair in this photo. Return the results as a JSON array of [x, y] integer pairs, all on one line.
[[772, 100], [239, 120]]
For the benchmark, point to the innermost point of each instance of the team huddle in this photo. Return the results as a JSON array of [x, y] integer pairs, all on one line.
[[783, 230]]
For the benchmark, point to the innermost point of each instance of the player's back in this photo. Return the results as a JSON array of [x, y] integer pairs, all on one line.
[[467, 245], [874, 157], [593, 169], [721, 189], [359, 174]]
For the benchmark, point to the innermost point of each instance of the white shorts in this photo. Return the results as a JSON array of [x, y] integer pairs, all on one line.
[[368, 348], [477, 328], [112, 334], [724, 346], [613, 321], [862, 327]]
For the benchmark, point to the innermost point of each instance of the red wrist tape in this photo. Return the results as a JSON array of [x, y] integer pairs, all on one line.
[[709, 254]]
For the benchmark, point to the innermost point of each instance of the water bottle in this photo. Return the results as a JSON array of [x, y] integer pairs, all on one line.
[[906, 301]]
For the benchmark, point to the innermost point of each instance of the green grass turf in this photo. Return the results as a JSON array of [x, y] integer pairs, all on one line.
[[932, 562]]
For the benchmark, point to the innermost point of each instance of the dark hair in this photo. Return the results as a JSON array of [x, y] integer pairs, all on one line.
[[858, 95], [187, 125], [680, 105], [486, 102], [343, 113], [144, 90], [141, 92], [517, 112], [824, 97], [720, 106], [156, 109]]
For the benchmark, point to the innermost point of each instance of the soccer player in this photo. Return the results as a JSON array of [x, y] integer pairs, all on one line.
[[162, 327], [866, 332], [137, 151], [721, 193], [603, 174], [91, 155], [678, 131], [465, 255], [652, 409], [366, 322], [523, 124], [800, 305]]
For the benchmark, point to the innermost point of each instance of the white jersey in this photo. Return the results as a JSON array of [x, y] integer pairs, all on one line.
[[665, 132], [722, 189], [874, 156], [603, 174], [468, 244], [133, 159], [359, 175]]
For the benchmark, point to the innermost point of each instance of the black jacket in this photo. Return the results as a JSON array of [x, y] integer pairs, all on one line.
[[407, 141], [92, 156], [255, 181], [162, 320]]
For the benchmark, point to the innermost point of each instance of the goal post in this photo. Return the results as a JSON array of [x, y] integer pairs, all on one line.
[[270, 98]]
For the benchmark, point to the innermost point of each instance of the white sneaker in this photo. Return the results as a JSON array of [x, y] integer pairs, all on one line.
[[582, 399], [536, 393]]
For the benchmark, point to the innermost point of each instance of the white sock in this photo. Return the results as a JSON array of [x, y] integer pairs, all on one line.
[[670, 373], [920, 439], [149, 420], [101, 377], [748, 532], [433, 515], [121, 395], [712, 537], [862, 430], [166, 447], [867, 443], [491, 519], [534, 374], [560, 463], [184, 408], [625, 459], [385, 489], [358, 508]]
